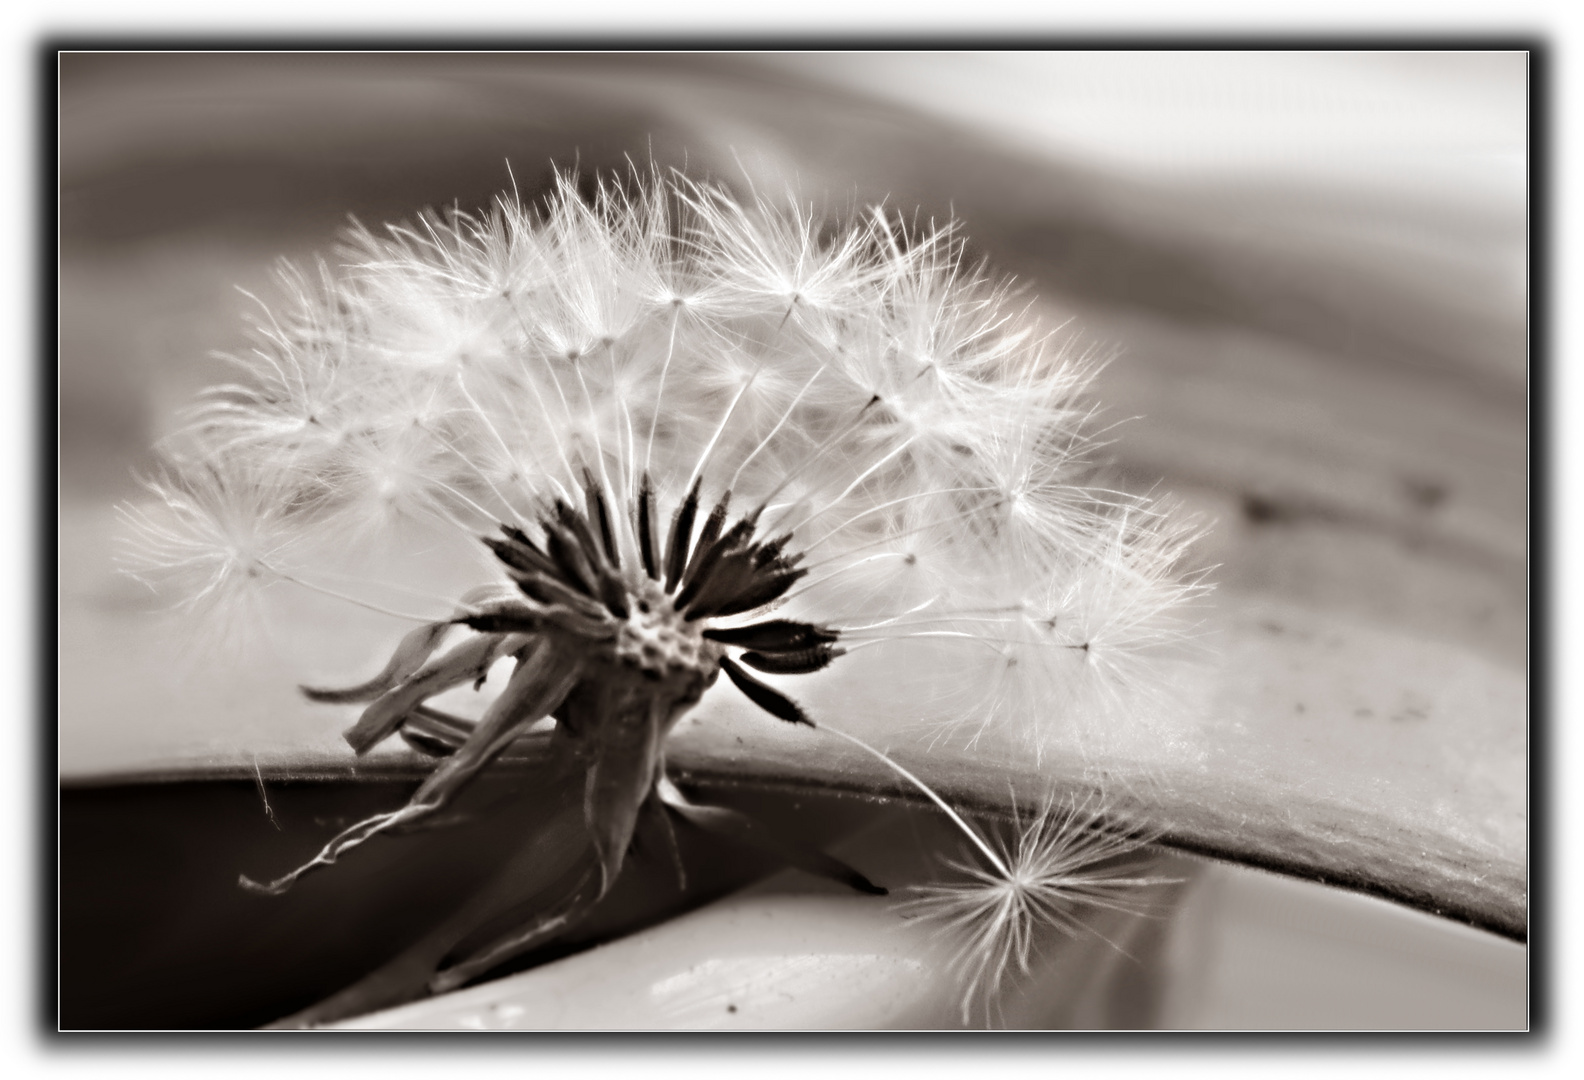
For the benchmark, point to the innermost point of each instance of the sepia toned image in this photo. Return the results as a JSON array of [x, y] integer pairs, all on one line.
[[794, 541]]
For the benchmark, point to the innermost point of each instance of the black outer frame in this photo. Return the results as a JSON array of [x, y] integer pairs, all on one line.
[[1541, 420]]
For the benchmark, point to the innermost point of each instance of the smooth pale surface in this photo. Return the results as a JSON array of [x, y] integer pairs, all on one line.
[[1242, 951], [1256, 951], [749, 963]]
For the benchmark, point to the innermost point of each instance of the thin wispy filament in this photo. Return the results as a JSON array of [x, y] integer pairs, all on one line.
[[968, 830]]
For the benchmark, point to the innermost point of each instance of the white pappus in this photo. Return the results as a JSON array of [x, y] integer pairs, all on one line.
[[695, 436]]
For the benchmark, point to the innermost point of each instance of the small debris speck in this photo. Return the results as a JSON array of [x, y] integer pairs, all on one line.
[[1425, 494]]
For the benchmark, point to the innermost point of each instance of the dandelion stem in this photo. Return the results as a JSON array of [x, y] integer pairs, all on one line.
[[414, 593], [967, 829], [322, 590], [489, 425], [842, 570], [880, 508], [720, 429], [819, 452], [963, 614], [857, 482], [904, 534], [665, 368], [785, 416]]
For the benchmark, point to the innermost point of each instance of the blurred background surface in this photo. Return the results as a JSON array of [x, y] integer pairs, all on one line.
[[1310, 269]]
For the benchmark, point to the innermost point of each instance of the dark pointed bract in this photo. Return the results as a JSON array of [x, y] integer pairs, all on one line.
[[648, 549], [681, 537], [765, 696], [798, 662], [775, 635]]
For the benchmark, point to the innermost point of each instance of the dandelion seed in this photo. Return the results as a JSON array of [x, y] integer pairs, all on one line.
[[213, 538], [672, 436], [1022, 882], [1004, 906]]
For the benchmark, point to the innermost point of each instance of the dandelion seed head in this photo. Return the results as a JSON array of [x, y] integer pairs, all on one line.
[[652, 434], [894, 419], [862, 378]]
